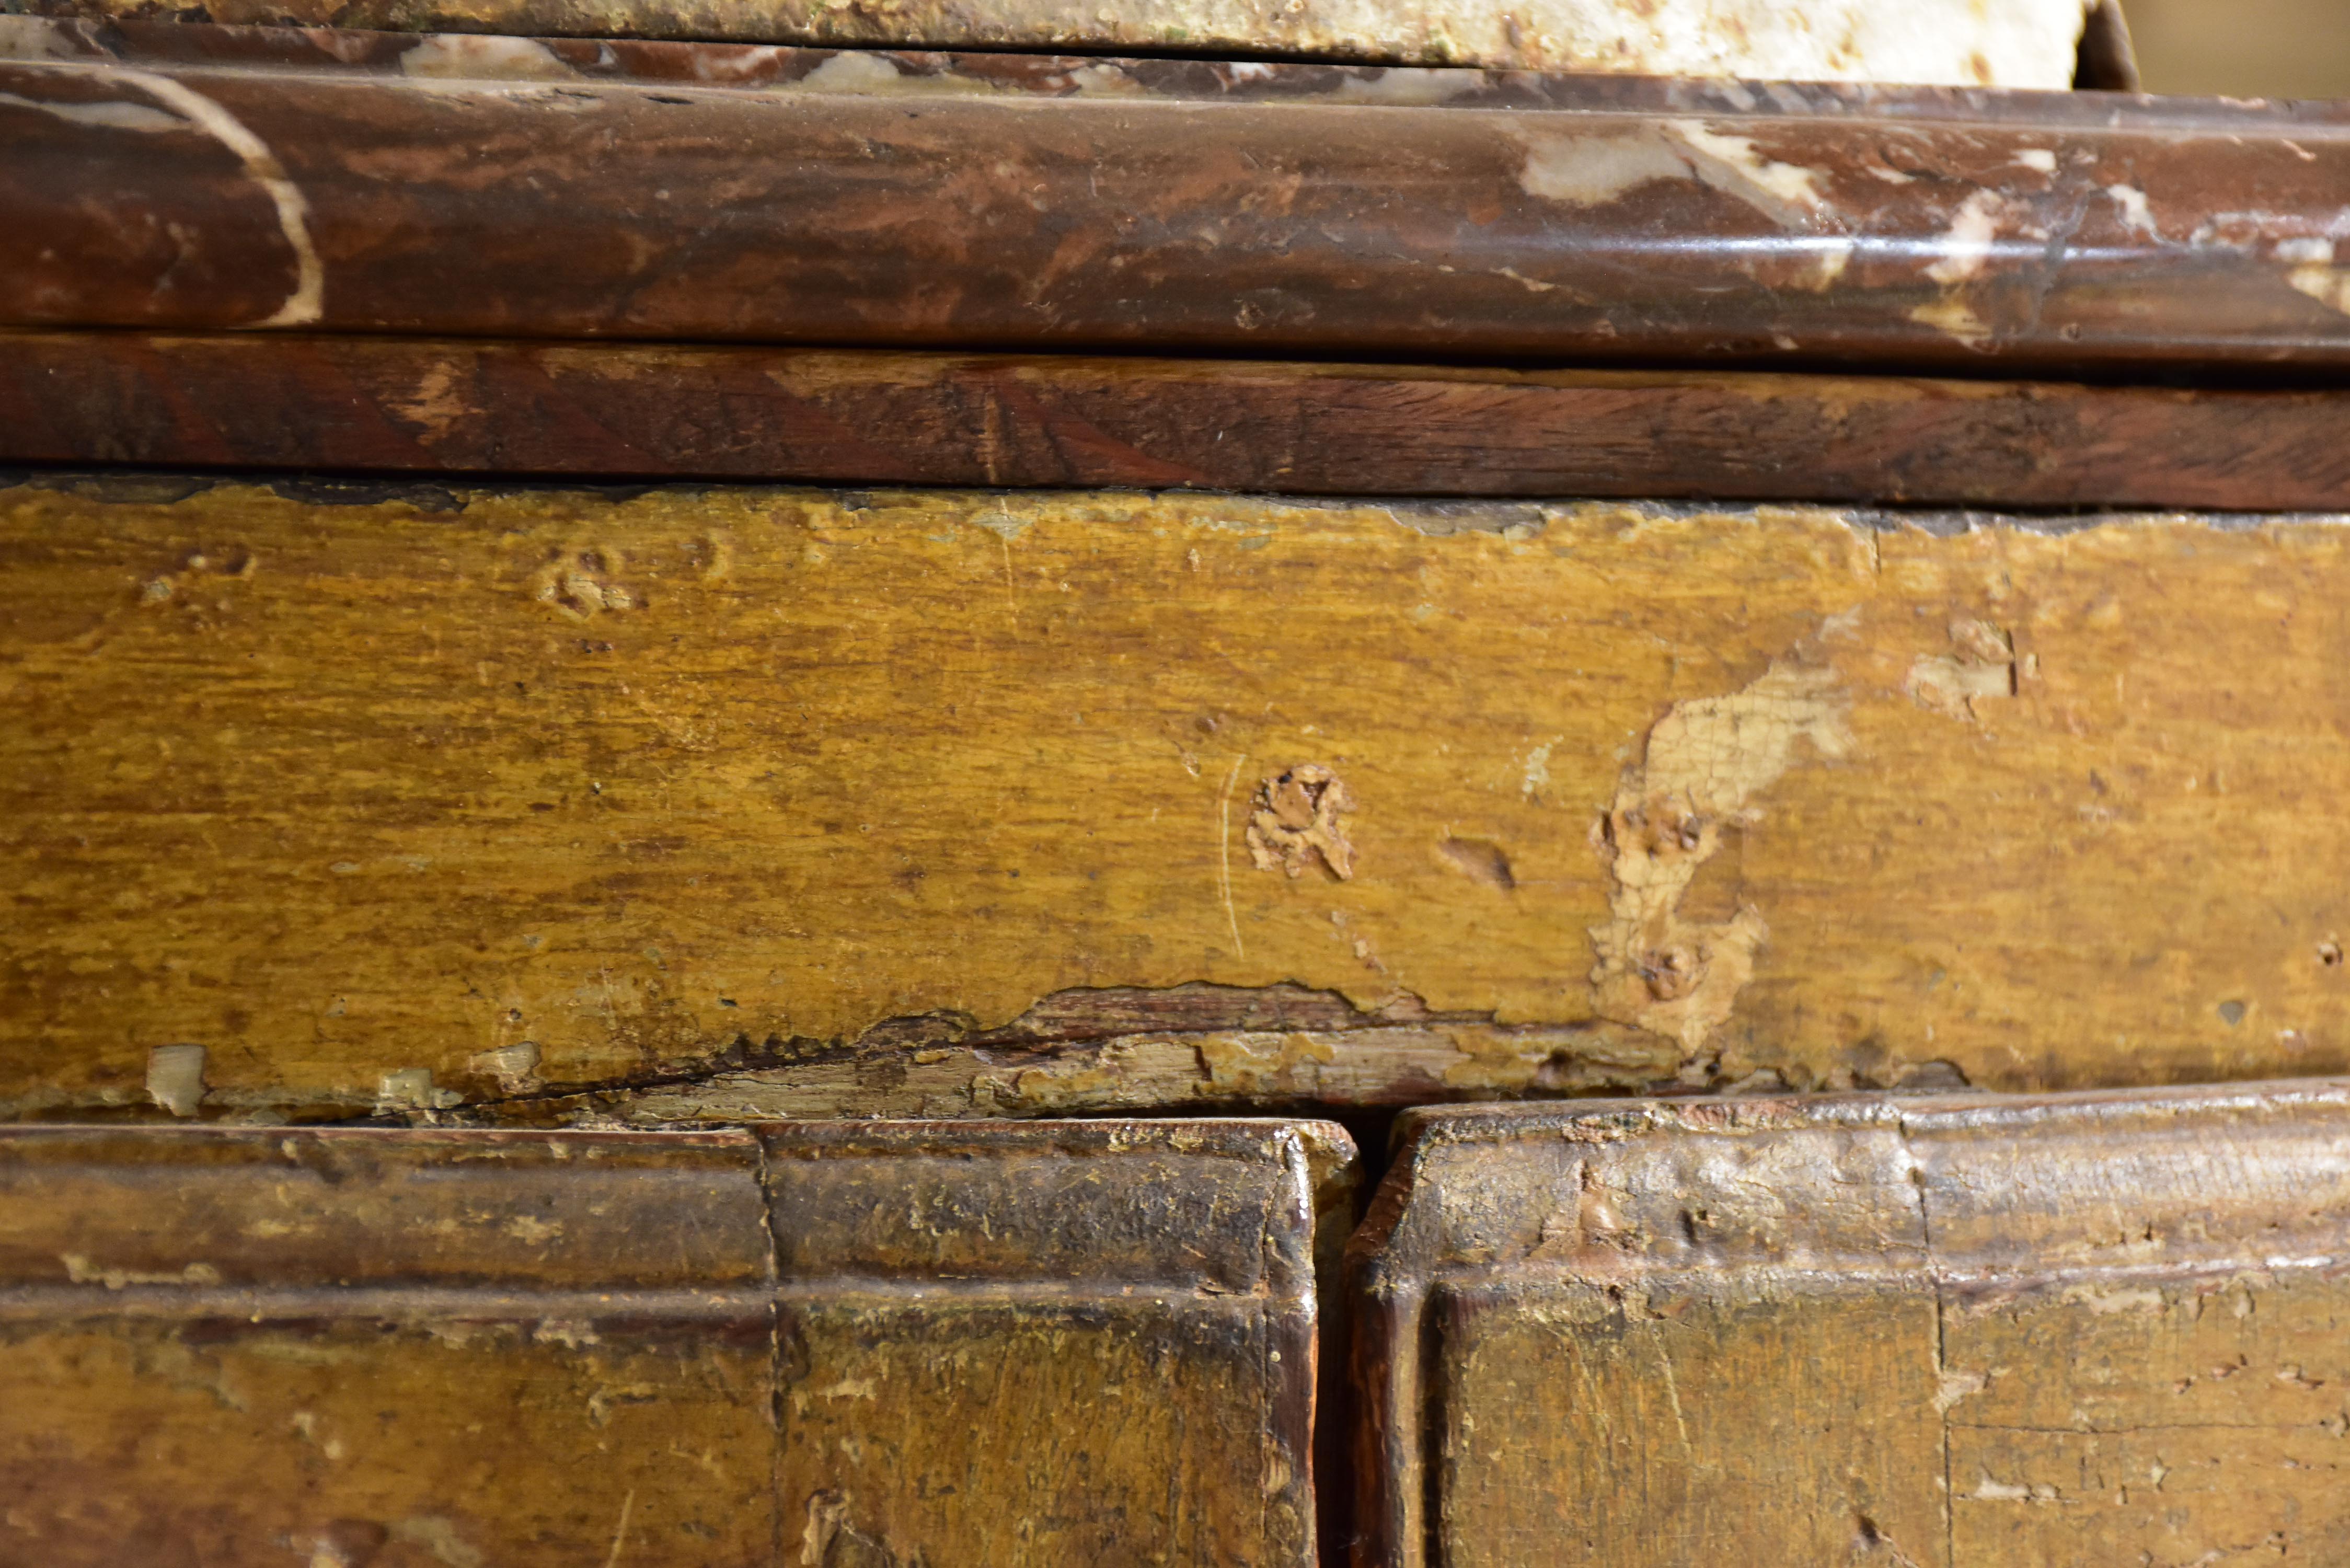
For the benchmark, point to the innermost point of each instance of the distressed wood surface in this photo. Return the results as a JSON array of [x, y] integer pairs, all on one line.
[[392, 1349], [513, 188], [1948, 1331], [1968, 42], [318, 803], [453, 406]]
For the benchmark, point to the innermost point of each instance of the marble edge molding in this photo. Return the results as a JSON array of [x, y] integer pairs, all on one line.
[[1615, 221]]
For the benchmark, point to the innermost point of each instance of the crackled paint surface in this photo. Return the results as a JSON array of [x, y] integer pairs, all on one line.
[[922, 802]]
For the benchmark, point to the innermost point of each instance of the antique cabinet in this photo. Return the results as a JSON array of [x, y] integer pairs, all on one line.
[[747, 786]]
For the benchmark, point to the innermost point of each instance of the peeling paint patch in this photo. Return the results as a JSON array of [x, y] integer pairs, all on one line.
[[1958, 1386], [437, 406], [1294, 822], [412, 1089], [1703, 766], [515, 1066], [2105, 1302], [828, 1541], [82, 1271], [1537, 771], [1253, 1064], [175, 1078], [583, 583], [1982, 669]]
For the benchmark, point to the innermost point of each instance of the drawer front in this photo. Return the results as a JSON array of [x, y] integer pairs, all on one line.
[[866, 1344], [1955, 1331]]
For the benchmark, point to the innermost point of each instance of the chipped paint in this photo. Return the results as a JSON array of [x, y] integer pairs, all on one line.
[[1981, 669], [1296, 821], [175, 1078], [515, 1066], [412, 1089], [1704, 765], [82, 1271]]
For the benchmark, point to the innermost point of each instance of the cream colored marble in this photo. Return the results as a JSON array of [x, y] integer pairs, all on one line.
[[1972, 43]]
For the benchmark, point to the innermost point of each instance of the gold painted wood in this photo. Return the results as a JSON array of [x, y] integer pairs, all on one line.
[[553, 805], [1951, 1332], [845, 1346]]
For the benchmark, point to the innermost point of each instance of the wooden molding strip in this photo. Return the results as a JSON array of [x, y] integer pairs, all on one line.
[[1949, 1331], [242, 1344], [514, 188], [633, 410]]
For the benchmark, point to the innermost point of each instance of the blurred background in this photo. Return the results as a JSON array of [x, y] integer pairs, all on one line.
[[2243, 48]]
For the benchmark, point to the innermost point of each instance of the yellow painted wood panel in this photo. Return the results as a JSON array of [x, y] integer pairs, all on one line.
[[691, 790], [1664, 1431], [394, 1446]]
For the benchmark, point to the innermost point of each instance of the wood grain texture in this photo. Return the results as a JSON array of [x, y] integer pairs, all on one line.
[[747, 803], [843, 1346], [866, 200], [1952, 1331], [461, 406]]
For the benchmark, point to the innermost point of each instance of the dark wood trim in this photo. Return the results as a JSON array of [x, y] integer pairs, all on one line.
[[1306, 211], [629, 410]]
